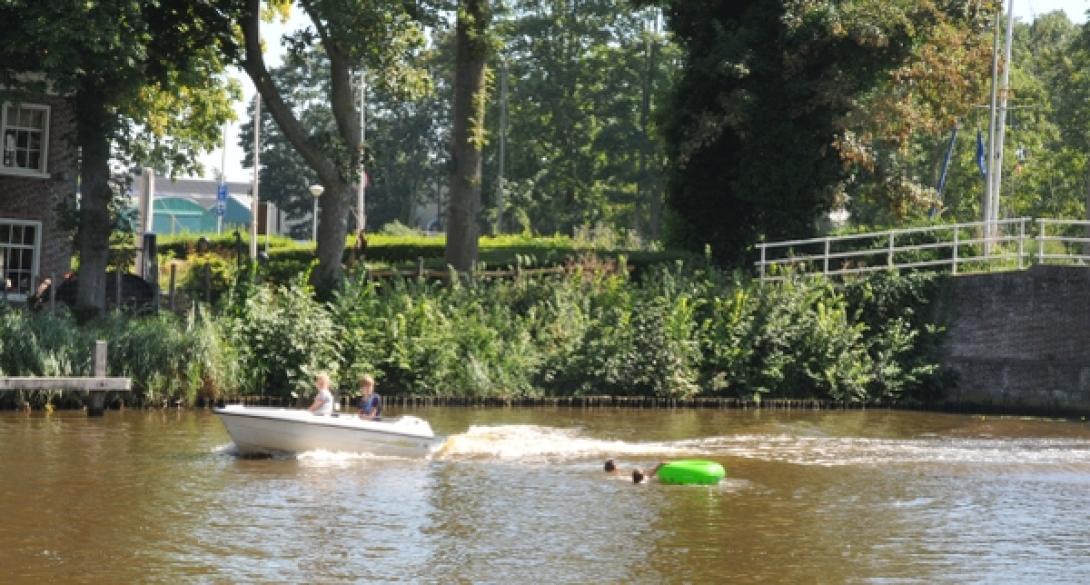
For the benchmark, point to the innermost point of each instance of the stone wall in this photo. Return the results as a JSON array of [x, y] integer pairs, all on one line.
[[1018, 341], [38, 199]]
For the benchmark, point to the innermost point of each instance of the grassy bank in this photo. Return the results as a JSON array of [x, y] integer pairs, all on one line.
[[677, 332]]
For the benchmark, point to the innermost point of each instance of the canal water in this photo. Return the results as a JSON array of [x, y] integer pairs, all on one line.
[[519, 496]]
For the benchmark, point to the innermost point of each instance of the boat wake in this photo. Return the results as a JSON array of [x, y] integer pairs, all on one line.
[[539, 443], [315, 458]]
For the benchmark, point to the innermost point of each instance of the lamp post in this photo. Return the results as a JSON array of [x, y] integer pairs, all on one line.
[[316, 191]]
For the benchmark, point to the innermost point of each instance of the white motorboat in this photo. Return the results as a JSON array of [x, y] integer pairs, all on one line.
[[263, 430]]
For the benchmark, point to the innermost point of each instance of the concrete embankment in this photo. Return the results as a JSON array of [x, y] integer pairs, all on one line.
[[1018, 341]]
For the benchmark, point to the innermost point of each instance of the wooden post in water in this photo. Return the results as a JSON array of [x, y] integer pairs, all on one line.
[[96, 401]]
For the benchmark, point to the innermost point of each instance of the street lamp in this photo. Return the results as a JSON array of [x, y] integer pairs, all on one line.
[[316, 191]]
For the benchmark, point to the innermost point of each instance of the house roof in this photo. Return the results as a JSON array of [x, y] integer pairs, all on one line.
[[201, 191]]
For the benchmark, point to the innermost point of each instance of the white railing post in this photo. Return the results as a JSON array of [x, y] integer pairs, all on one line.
[[871, 247], [1021, 241], [890, 259], [825, 269], [762, 247], [955, 264], [1040, 241]]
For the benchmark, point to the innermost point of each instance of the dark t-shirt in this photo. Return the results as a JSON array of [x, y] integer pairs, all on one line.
[[371, 405]]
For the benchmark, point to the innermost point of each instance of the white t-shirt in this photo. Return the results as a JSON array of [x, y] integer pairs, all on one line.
[[325, 398]]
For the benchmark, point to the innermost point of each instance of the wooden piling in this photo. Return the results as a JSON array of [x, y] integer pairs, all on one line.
[[96, 401], [173, 274]]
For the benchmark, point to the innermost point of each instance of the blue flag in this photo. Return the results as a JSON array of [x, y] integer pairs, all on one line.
[[980, 162], [931, 213], [946, 161]]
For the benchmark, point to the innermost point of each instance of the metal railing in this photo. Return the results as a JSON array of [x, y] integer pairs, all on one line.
[[1068, 242], [1001, 245]]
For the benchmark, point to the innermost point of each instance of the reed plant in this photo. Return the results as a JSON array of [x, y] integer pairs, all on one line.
[[677, 331]]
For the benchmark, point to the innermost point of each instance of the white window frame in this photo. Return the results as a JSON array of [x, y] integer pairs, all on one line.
[[42, 172], [35, 247]]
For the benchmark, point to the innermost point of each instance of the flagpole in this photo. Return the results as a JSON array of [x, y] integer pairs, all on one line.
[[255, 201], [361, 195], [1001, 120], [223, 180], [986, 204]]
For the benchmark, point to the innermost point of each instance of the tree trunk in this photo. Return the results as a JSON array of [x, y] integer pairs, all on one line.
[[467, 134], [336, 200], [333, 228], [93, 122]]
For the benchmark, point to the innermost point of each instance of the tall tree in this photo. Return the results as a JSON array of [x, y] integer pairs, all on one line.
[[380, 34], [585, 80], [764, 92], [404, 143], [472, 49], [127, 65], [894, 141]]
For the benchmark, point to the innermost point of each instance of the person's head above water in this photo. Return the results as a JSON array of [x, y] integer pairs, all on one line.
[[610, 466], [637, 475]]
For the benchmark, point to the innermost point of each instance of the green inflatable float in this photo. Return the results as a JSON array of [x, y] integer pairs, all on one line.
[[691, 471]]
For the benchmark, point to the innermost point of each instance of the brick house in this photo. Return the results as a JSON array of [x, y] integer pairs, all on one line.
[[38, 174]]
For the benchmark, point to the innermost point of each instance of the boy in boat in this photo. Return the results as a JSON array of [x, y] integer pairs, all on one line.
[[323, 400], [370, 403]]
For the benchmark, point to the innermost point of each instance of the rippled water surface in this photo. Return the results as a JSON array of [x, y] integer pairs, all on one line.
[[518, 496]]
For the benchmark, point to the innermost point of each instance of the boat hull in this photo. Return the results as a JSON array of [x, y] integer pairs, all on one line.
[[259, 430]]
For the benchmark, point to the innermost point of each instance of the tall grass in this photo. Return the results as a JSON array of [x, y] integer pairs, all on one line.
[[678, 331]]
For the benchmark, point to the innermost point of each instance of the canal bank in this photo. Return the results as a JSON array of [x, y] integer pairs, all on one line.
[[1017, 341]]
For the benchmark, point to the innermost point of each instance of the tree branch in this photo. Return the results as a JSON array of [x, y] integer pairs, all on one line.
[[341, 100], [254, 63]]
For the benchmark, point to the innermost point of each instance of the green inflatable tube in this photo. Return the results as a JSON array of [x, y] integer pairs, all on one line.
[[691, 471]]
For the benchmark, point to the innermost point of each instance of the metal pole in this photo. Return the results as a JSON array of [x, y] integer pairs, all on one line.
[[268, 228], [1040, 241], [955, 265], [223, 180], [986, 204], [314, 219], [361, 198], [1001, 126], [254, 202], [1021, 241], [502, 146], [825, 268]]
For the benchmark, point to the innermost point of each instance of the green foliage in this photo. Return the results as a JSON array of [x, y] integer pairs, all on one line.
[[767, 90], [207, 277], [145, 82], [585, 80], [169, 358], [288, 258], [676, 332], [283, 338], [48, 345]]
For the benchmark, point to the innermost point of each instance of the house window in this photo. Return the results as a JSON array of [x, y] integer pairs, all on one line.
[[24, 136], [20, 242]]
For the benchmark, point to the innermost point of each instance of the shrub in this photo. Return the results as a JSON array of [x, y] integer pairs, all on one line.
[[283, 338]]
